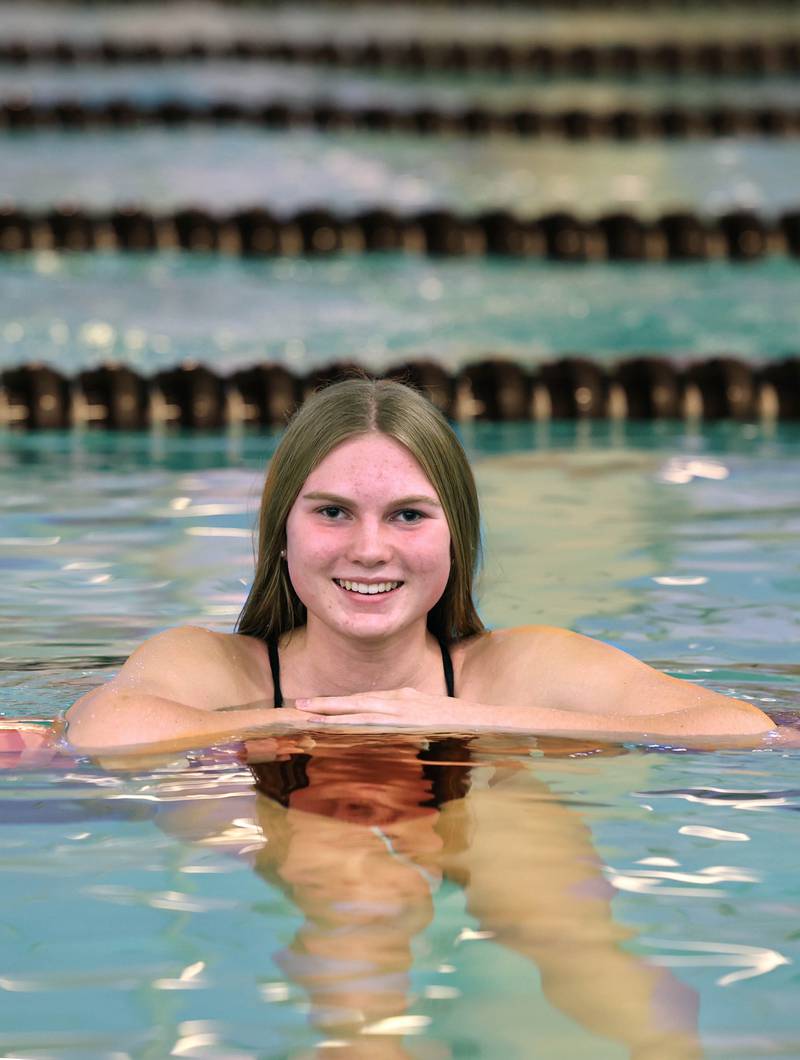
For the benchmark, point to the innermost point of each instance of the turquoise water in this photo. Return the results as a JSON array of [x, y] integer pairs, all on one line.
[[166, 909], [236, 167], [152, 311]]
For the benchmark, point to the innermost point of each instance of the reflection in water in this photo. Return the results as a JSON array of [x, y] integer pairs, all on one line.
[[361, 832], [354, 836]]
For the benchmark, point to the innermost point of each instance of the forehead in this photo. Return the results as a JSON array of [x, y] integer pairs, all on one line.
[[369, 462]]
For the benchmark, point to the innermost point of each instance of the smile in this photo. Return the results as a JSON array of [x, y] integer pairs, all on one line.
[[367, 588]]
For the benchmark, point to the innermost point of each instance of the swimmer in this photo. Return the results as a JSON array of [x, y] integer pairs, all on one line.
[[361, 612]]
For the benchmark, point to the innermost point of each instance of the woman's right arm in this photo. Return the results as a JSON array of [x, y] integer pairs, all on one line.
[[182, 688]]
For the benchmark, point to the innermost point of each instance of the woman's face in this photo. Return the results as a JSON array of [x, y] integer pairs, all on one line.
[[367, 541]]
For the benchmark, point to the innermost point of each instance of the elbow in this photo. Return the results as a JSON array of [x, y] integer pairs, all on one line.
[[700, 711], [735, 717], [751, 720], [726, 718], [99, 720]]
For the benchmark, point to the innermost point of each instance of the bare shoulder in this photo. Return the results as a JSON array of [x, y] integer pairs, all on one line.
[[499, 663], [545, 666], [198, 667], [517, 645]]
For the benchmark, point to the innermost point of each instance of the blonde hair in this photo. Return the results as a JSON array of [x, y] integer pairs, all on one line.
[[328, 418]]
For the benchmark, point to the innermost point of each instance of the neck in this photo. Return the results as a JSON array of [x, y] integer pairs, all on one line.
[[335, 664]]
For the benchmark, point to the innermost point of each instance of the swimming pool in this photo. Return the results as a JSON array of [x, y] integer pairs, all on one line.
[[192, 918], [152, 311], [368, 896], [359, 171]]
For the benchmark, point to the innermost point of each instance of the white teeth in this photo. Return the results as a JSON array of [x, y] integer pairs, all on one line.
[[365, 589]]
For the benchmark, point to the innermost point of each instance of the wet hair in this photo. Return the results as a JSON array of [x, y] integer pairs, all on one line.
[[334, 415]]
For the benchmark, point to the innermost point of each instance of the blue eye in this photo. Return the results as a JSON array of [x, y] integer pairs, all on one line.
[[330, 511]]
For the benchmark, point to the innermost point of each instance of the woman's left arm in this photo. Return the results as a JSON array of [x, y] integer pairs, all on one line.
[[605, 687], [571, 684]]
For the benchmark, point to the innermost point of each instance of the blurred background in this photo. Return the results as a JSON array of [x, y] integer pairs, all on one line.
[[134, 131]]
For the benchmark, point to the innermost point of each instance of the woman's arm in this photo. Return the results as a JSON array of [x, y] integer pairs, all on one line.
[[405, 708], [611, 691], [180, 688], [553, 681], [117, 717]]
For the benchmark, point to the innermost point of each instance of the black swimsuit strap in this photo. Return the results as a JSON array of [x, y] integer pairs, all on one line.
[[275, 666], [447, 663]]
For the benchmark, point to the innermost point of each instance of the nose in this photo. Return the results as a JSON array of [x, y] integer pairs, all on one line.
[[369, 544]]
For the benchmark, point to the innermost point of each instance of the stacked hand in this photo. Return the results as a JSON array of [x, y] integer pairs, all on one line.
[[404, 707]]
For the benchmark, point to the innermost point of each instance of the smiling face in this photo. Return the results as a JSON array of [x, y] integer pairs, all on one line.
[[367, 541]]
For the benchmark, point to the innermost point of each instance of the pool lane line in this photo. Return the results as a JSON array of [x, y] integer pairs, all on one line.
[[672, 122], [738, 235], [114, 396], [744, 57]]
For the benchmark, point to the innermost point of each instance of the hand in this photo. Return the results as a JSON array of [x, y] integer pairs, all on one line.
[[404, 707], [23, 743]]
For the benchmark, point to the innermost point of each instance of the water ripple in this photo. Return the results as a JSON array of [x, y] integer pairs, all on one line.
[[787, 799], [751, 961]]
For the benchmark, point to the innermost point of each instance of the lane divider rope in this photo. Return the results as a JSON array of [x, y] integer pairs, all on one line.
[[746, 57], [671, 122], [191, 395], [739, 235]]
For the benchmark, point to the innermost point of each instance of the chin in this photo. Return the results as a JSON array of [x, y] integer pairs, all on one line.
[[366, 630], [370, 626]]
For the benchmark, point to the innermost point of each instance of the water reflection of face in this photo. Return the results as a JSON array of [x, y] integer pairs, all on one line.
[[373, 790], [373, 781]]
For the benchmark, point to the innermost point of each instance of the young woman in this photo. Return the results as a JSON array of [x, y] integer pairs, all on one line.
[[361, 612]]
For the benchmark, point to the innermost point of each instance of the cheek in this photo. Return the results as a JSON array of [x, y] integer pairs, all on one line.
[[431, 557], [305, 540], [307, 550]]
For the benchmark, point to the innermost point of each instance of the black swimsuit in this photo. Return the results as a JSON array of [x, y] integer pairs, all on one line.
[[275, 666]]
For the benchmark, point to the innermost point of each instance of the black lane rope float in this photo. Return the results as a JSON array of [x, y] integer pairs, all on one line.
[[739, 235], [115, 397], [573, 123], [739, 58]]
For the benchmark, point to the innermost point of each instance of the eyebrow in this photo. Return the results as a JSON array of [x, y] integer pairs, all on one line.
[[400, 502]]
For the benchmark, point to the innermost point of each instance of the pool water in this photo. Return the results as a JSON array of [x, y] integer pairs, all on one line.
[[377, 895], [216, 79], [363, 895], [152, 311], [237, 167]]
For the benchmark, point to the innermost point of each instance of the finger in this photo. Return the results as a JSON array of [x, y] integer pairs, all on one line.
[[348, 721], [289, 715], [335, 705], [356, 721], [285, 721]]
